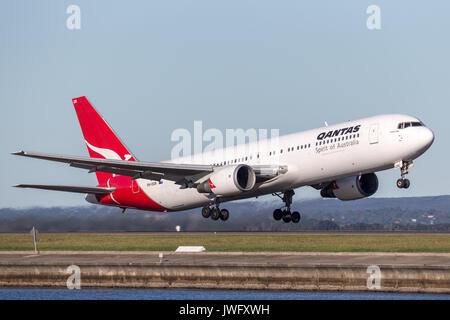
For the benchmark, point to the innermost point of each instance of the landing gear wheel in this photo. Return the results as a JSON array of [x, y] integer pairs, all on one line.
[[215, 213], [224, 214], [287, 216], [277, 214], [206, 212], [403, 182], [295, 216], [406, 184]]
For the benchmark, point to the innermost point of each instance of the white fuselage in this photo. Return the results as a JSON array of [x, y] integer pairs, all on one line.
[[311, 157]]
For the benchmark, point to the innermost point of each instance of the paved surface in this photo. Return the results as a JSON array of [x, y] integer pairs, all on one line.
[[211, 258]]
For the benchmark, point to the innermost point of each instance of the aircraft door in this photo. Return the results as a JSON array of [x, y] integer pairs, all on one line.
[[373, 133]]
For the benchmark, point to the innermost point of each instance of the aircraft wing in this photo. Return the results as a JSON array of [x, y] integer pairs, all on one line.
[[180, 173], [92, 190], [183, 174]]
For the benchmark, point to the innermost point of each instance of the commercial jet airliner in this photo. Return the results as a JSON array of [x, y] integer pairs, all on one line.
[[339, 160]]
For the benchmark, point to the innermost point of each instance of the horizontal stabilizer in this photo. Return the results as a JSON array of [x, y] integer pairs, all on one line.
[[92, 190]]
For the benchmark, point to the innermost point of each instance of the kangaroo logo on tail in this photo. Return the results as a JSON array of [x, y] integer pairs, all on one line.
[[107, 153]]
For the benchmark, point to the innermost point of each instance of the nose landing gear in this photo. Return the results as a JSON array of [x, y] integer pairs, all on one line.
[[403, 183], [404, 166], [286, 214]]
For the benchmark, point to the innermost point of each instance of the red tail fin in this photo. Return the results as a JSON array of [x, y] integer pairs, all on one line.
[[100, 139]]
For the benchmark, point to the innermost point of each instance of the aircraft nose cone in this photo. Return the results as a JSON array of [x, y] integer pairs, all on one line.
[[427, 137]]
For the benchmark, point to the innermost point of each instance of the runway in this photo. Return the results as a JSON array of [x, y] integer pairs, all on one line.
[[399, 272], [224, 258]]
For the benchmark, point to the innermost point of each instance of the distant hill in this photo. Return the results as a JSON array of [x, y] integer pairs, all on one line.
[[384, 211], [382, 214]]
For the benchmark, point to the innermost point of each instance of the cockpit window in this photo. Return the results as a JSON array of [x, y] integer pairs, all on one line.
[[403, 125]]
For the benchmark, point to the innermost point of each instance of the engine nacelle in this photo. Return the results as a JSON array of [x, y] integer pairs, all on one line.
[[229, 180], [352, 188]]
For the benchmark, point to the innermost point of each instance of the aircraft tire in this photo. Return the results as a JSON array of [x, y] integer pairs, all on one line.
[[277, 214], [206, 211], [224, 214], [406, 184], [287, 216], [295, 216], [215, 213]]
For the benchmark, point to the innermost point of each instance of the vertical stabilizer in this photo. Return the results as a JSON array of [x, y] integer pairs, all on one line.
[[101, 140]]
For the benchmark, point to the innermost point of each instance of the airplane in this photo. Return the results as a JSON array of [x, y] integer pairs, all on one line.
[[339, 160]]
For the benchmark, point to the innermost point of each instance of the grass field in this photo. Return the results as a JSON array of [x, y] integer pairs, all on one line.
[[300, 242]]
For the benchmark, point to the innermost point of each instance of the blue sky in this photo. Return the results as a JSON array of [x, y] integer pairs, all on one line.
[[151, 67]]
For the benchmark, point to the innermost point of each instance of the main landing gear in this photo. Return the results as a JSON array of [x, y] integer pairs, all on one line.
[[215, 213], [286, 214], [403, 182]]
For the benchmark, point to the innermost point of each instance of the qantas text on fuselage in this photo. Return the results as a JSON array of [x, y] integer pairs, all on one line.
[[339, 160], [338, 132]]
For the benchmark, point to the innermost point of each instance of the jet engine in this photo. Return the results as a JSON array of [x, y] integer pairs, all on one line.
[[352, 188], [229, 180]]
